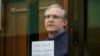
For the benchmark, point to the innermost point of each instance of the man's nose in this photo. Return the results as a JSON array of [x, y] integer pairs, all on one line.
[[51, 20]]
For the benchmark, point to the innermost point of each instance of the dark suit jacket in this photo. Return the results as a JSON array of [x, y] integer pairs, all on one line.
[[60, 44]]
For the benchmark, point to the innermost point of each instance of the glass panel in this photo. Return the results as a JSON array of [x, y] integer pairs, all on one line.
[[93, 28], [14, 23]]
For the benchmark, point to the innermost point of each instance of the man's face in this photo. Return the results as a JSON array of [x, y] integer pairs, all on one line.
[[54, 21]]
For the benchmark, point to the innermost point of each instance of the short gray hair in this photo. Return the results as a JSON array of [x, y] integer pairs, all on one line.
[[64, 13]]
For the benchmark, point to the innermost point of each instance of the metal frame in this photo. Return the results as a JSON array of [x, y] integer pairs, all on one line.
[[76, 27]]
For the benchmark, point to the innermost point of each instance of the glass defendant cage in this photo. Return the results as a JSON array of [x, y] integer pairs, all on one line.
[[21, 24]]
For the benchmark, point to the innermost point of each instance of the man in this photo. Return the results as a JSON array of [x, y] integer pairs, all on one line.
[[55, 23]]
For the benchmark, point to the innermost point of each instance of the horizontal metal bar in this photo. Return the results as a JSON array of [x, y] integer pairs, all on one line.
[[14, 10], [42, 8]]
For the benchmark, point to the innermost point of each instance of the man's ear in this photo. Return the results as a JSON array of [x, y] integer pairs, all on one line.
[[65, 22]]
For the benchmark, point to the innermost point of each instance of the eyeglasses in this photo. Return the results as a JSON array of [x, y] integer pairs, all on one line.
[[53, 16]]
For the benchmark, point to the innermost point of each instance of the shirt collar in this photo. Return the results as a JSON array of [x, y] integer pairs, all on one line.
[[56, 35]]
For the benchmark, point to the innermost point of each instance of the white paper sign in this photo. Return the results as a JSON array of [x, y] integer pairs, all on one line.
[[43, 48]]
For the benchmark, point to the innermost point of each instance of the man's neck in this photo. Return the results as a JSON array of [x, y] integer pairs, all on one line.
[[54, 34]]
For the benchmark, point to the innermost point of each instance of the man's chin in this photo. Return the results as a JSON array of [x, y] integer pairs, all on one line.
[[51, 30]]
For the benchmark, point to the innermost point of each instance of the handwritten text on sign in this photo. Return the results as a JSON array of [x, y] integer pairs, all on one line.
[[43, 48]]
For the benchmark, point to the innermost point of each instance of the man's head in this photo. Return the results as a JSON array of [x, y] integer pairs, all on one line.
[[55, 18]]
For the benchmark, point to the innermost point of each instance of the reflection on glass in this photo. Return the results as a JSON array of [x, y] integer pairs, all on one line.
[[14, 23], [93, 29]]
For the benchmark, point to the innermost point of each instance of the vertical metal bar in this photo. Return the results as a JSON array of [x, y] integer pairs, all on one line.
[[75, 29], [82, 27], [1, 31], [70, 27], [13, 28]]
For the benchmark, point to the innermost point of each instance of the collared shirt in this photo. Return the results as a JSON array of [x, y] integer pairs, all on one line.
[[60, 44]]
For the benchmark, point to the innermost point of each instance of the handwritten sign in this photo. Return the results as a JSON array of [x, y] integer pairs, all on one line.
[[43, 48]]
